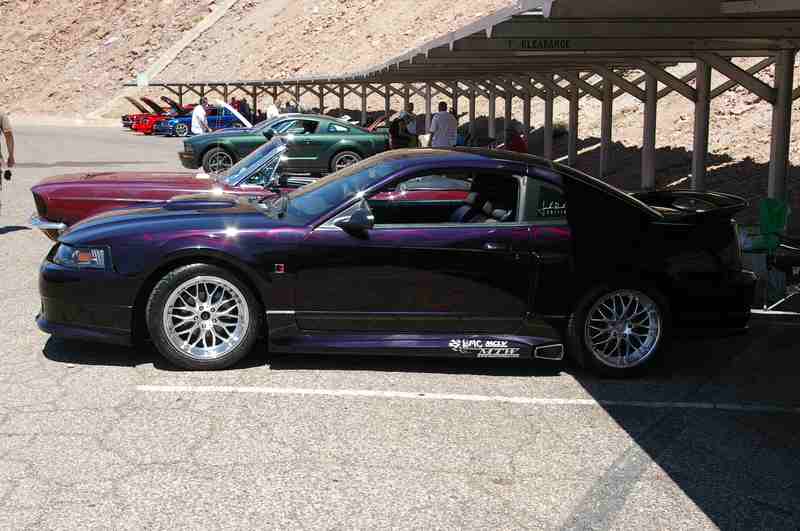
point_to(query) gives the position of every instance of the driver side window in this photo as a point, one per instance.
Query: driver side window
(449, 197)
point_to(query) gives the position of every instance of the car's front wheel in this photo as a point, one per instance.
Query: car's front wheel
(181, 130)
(203, 317)
(618, 331)
(344, 159)
(217, 160)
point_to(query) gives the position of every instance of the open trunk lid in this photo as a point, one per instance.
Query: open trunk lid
(686, 205)
(138, 105)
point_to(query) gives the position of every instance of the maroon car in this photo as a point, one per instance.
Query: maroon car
(64, 200)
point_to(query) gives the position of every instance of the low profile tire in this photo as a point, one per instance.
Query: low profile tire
(203, 317)
(618, 331)
(181, 130)
(216, 160)
(344, 159)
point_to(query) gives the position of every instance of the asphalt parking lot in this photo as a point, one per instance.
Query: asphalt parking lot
(96, 436)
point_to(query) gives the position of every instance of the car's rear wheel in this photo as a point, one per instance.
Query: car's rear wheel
(181, 130)
(344, 159)
(217, 160)
(203, 317)
(618, 331)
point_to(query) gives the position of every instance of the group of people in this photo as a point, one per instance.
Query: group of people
(403, 131)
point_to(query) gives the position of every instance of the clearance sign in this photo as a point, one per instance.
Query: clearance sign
(538, 44)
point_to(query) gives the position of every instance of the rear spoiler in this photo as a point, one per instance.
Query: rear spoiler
(693, 204)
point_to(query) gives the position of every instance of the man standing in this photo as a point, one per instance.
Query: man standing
(444, 128)
(199, 119)
(5, 128)
(411, 125)
(272, 110)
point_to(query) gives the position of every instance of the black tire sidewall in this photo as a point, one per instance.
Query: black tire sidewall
(580, 353)
(157, 303)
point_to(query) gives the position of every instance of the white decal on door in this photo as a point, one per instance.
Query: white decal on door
(484, 349)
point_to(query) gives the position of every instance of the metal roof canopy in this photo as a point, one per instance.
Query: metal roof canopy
(577, 48)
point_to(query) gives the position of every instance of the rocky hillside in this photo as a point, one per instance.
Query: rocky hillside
(68, 56)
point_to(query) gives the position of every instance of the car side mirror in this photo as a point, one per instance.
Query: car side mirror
(268, 133)
(359, 222)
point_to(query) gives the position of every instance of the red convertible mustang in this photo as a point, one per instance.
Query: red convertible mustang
(63, 200)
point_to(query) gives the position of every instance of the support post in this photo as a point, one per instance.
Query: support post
(406, 96)
(428, 104)
(387, 101)
(472, 125)
(254, 95)
(321, 99)
(526, 118)
(548, 122)
(509, 100)
(363, 105)
(454, 88)
(492, 115)
(649, 141)
(702, 114)
(781, 125)
(341, 100)
(606, 119)
(574, 101)
(180, 95)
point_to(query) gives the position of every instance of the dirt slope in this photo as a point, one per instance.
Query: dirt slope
(68, 56)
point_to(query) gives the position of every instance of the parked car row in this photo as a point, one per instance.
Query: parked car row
(175, 119)
(460, 252)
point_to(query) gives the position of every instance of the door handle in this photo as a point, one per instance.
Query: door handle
(495, 246)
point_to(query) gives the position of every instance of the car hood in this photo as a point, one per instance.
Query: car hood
(203, 213)
(180, 180)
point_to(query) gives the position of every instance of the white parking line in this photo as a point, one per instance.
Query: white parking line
(366, 393)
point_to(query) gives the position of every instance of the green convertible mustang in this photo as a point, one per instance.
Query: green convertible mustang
(317, 144)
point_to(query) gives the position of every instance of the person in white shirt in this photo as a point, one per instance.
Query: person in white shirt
(272, 110)
(199, 119)
(444, 128)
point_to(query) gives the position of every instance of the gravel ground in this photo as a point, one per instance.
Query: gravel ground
(96, 436)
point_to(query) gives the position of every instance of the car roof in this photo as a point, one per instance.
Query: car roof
(464, 155)
(318, 117)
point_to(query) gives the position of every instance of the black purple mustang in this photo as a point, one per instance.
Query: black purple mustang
(534, 261)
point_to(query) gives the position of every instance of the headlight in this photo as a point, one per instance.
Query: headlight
(85, 258)
(187, 147)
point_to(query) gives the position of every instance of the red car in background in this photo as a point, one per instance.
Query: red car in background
(146, 123)
(129, 119)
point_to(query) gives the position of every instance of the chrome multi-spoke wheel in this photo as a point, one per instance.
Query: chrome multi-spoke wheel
(181, 130)
(623, 328)
(206, 317)
(344, 159)
(217, 160)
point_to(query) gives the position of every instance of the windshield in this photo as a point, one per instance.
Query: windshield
(311, 201)
(236, 173)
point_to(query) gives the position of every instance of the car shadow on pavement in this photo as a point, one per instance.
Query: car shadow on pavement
(75, 352)
(12, 228)
(728, 439)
